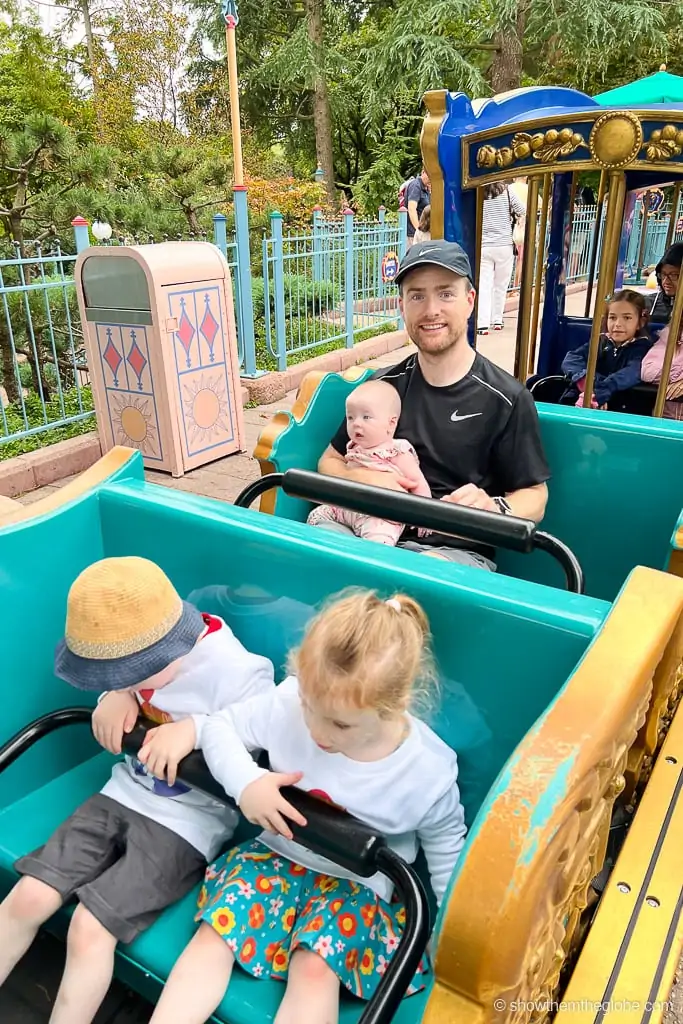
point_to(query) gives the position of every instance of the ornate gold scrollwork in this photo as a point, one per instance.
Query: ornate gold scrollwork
(543, 146)
(666, 696)
(578, 850)
(664, 143)
(516, 913)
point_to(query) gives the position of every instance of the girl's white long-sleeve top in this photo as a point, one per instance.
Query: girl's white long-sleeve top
(411, 796)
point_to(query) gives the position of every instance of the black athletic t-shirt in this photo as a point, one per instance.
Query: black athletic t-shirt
(482, 430)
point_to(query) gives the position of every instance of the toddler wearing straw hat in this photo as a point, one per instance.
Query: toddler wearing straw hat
(144, 841)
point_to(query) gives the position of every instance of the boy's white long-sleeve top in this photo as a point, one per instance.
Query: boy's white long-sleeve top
(411, 796)
(217, 671)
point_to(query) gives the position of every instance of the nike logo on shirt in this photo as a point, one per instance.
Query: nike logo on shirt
(468, 416)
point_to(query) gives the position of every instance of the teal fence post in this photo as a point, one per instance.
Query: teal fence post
(246, 305)
(317, 243)
(402, 233)
(279, 289)
(402, 246)
(220, 233)
(382, 233)
(348, 276)
(81, 233)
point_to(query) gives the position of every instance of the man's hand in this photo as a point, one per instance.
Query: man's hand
(331, 463)
(115, 714)
(166, 746)
(263, 804)
(388, 481)
(473, 497)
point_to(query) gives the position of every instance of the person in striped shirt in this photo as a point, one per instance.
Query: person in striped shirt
(501, 207)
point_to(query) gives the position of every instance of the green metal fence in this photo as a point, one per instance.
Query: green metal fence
(43, 373)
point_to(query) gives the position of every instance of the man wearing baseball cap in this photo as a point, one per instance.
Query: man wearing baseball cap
(474, 427)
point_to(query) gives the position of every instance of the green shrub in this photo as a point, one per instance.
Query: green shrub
(35, 417)
(302, 295)
(266, 361)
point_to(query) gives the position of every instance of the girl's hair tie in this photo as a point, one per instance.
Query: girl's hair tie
(393, 603)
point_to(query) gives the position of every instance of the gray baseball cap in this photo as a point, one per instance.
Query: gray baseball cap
(438, 253)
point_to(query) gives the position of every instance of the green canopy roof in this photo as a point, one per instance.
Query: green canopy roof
(658, 88)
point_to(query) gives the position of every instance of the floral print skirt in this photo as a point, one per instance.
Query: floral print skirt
(266, 906)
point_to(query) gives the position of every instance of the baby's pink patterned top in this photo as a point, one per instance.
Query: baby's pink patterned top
(380, 457)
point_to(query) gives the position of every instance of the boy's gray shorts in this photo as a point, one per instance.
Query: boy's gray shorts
(125, 868)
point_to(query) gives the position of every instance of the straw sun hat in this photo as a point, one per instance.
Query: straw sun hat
(125, 622)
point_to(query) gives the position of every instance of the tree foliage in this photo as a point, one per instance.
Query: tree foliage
(132, 121)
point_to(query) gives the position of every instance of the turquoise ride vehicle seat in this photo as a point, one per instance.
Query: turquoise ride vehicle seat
(614, 494)
(507, 651)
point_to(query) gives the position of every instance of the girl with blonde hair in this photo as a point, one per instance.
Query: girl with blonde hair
(341, 727)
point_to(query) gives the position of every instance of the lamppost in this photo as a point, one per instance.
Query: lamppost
(101, 230)
(239, 196)
(229, 9)
(319, 175)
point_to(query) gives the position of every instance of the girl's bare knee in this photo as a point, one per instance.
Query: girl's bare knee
(309, 968)
(210, 942)
(33, 901)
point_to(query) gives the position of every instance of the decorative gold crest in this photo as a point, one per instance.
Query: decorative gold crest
(615, 139)
(543, 146)
(664, 143)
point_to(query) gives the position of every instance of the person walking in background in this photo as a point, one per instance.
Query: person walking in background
(424, 230)
(520, 188)
(502, 211)
(417, 196)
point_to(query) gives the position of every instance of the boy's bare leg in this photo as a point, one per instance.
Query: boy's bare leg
(312, 994)
(29, 904)
(198, 981)
(88, 971)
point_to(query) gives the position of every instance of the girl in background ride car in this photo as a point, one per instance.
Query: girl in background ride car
(624, 341)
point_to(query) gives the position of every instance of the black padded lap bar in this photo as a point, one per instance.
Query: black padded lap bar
(24, 740)
(441, 516)
(330, 832)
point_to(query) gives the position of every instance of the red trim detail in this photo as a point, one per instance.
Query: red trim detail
(212, 622)
(213, 625)
(239, 188)
(79, 222)
(321, 795)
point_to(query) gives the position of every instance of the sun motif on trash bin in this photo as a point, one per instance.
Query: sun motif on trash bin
(134, 423)
(206, 408)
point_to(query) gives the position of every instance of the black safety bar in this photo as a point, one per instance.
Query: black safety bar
(330, 832)
(24, 740)
(444, 517)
